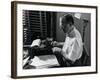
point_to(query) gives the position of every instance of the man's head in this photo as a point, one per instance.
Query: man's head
(66, 23)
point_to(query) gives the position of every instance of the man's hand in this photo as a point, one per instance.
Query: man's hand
(57, 44)
(54, 43)
(56, 49)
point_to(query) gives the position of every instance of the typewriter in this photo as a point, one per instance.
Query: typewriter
(41, 51)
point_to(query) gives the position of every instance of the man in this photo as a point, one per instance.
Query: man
(70, 51)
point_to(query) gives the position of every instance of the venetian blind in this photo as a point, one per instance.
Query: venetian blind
(34, 24)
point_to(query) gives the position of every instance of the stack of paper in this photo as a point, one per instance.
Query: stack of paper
(44, 61)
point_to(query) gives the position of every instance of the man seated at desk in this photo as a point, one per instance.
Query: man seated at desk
(68, 53)
(71, 51)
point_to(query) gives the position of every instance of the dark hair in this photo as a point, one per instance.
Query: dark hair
(67, 19)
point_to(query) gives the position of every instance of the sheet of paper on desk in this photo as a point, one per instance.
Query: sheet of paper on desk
(36, 42)
(45, 61)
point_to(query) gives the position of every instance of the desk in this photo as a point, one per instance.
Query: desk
(43, 61)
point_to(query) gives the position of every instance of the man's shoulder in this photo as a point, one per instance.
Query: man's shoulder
(77, 33)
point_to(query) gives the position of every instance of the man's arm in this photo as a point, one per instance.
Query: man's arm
(73, 51)
(58, 44)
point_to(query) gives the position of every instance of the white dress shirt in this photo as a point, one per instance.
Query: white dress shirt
(73, 47)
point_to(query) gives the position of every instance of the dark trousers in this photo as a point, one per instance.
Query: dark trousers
(66, 62)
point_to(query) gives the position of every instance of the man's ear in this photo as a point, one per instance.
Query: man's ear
(70, 24)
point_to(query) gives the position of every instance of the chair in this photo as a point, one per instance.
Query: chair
(85, 59)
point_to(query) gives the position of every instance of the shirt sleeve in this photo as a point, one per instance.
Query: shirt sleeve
(73, 50)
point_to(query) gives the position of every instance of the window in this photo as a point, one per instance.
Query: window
(38, 24)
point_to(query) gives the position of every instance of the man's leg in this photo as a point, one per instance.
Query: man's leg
(57, 52)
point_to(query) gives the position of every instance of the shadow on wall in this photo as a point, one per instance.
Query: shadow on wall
(79, 25)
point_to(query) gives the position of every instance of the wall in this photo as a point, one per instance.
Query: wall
(5, 41)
